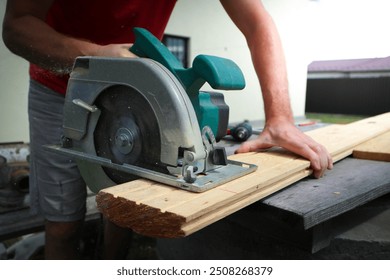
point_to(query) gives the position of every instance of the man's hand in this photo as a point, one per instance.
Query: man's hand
(288, 136)
(114, 50)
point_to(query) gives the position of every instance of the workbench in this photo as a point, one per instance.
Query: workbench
(301, 215)
(304, 217)
(345, 214)
(294, 223)
(157, 210)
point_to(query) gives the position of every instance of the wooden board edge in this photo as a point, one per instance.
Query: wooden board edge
(205, 220)
(141, 219)
(377, 148)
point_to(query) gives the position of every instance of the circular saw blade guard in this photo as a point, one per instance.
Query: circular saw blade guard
(173, 112)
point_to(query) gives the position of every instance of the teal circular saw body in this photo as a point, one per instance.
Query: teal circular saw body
(126, 118)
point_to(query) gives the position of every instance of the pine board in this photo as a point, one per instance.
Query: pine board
(377, 148)
(153, 209)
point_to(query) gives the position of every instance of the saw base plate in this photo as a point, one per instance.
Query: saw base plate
(212, 179)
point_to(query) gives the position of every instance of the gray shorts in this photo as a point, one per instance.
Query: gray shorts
(57, 189)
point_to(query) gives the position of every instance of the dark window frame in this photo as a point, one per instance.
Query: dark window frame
(179, 46)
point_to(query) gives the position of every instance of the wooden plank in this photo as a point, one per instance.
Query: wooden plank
(377, 148)
(173, 213)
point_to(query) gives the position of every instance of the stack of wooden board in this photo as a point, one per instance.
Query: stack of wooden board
(153, 209)
(377, 148)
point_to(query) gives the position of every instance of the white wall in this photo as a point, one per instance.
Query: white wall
(221, 37)
(13, 93)
(212, 32)
(310, 30)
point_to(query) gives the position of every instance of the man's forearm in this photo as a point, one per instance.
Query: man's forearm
(267, 54)
(42, 45)
(270, 67)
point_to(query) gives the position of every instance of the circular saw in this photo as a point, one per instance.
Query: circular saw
(129, 118)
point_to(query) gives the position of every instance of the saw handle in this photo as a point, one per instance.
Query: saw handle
(220, 73)
(146, 45)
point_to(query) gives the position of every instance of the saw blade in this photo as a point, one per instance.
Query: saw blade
(127, 132)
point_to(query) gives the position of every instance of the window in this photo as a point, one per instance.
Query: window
(178, 46)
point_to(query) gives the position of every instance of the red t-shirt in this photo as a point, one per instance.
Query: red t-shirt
(102, 22)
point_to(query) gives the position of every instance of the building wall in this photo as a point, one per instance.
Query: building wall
(306, 30)
(212, 32)
(13, 93)
(351, 96)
